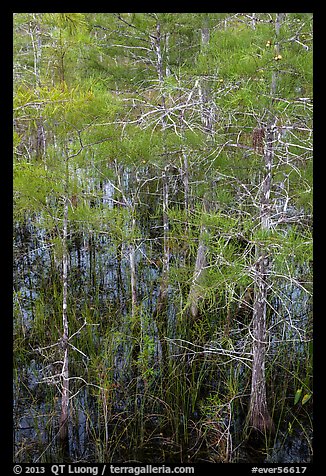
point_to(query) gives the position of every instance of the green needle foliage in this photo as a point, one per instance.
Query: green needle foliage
(141, 155)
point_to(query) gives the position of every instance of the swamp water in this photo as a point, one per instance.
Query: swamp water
(135, 397)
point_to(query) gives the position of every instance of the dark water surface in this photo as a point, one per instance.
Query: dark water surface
(137, 397)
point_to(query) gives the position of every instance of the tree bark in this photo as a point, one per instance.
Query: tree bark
(278, 23)
(159, 67)
(195, 293)
(162, 297)
(259, 415)
(133, 273)
(167, 56)
(35, 34)
(253, 21)
(186, 182)
(63, 431)
(258, 411)
(163, 292)
(204, 88)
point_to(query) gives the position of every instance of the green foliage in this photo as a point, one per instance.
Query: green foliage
(211, 407)
(306, 398)
(70, 21)
(33, 185)
(297, 396)
(96, 124)
(145, 357)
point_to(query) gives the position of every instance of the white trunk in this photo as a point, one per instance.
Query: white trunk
(65, 336)
(278, 23)
(167, 57)
(166, 252)
(161, 301)
(133, 273)
(35, 34)
(204, 88)
(186, 181)
(159, 58)
(258, 411)
(195, 293)
(163, 293)
(37, 48)
(253, 21)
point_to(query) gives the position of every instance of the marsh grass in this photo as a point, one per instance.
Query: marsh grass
(188, 412)
(137, 394)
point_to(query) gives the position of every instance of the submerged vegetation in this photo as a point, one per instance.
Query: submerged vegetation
(163, 237)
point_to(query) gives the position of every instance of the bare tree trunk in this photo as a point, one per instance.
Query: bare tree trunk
(184, 170)
(159, 66)
(35, 34)
(159, 58)
(259, 415)
(63, 433)
(258, 411)
(133, 272)
(195, 293)
(278, 23)
(167, 62)
(162, 297)
(186, 181)
(136, 318)
(120, 288)
(204, 88)
(253, 21)
(186, 190)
